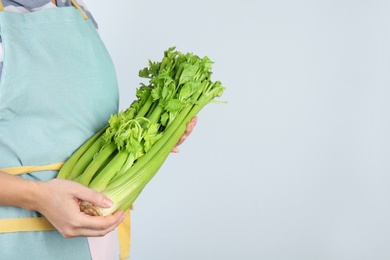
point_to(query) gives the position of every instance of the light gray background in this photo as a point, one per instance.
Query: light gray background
(296, 165)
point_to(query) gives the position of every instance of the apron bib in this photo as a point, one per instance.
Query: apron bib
(58, 87)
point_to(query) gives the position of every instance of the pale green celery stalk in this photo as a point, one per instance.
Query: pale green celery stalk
(155, 115)
(126, 166)
(118, 166)
(84, 160)
(152, 107)
(145, 108)
(67, 170)
(178, 73)
(97, 162)
(104, 176)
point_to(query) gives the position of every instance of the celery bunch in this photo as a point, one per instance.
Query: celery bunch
(123, 157)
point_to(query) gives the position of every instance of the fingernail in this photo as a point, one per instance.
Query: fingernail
(107, 202)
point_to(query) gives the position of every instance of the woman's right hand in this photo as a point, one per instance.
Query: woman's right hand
(59, 200)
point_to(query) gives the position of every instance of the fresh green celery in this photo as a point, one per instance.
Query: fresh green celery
(136, 142)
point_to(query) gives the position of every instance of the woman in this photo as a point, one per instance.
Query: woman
(58, 87)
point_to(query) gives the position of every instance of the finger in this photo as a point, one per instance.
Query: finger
(191, 125)
(97, 225)
(94, 197)
(182, 139)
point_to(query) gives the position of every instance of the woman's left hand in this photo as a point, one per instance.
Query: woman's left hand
(189, 128)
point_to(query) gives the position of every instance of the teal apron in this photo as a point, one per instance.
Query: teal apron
(58, 87)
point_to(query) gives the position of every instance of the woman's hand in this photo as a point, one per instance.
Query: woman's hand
(59, 200)
(189, 128)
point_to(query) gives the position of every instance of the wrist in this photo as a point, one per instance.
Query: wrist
(33, 201)
(19, 192)
(31, 198)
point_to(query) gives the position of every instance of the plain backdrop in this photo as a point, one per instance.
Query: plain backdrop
(297, 164)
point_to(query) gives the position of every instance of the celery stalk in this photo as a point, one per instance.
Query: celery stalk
(67, 170)
(86, 177)
(109, 171)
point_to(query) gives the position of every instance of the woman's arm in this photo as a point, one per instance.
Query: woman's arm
(58, 200)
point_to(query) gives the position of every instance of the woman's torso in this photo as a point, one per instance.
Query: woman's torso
(57, 88)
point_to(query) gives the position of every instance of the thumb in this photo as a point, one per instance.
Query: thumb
(94, 197)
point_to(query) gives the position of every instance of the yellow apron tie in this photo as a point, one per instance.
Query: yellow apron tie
(42, 224)
(26, 169)
(10, 225)
(124, 236)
